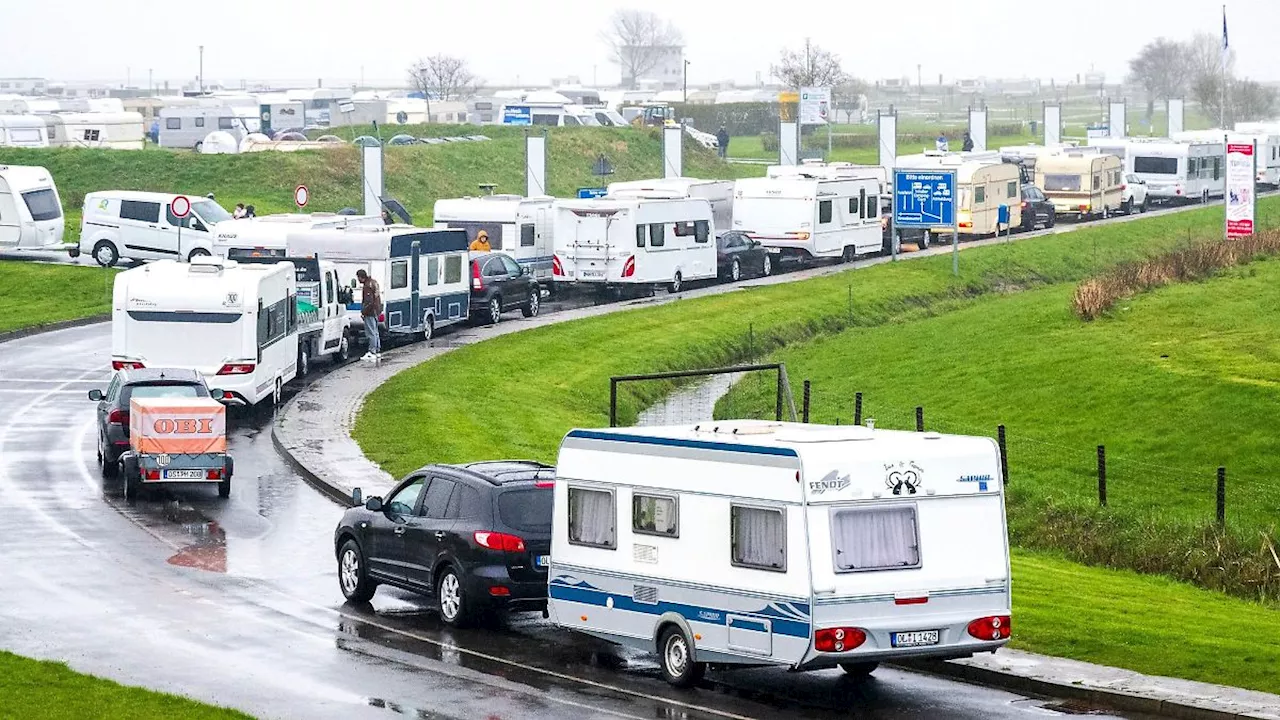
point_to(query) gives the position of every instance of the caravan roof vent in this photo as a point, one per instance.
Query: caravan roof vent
(739, 427)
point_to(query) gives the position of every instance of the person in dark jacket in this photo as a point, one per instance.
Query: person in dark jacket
(722, 139)
(370, 309)
(968, 142)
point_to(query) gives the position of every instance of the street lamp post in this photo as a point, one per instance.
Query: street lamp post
(201, 76)
(685, 93)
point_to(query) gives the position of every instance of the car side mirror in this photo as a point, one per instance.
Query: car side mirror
(373, 504)
(357, 498)
(95, 395)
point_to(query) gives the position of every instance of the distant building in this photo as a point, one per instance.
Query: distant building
(667, 72)
(22, 86)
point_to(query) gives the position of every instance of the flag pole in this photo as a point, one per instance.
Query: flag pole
(1222, 114)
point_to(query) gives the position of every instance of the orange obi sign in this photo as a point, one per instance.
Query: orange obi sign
(177, 426)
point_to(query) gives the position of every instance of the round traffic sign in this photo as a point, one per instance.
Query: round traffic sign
(181, 206)
(301, 195)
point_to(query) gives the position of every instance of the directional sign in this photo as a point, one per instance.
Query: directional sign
(593, 192)
(924, 198)
(301, 195)
(180, 206)
(517, 115)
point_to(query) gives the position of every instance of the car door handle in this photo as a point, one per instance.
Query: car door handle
(439, 535)
(399, 530)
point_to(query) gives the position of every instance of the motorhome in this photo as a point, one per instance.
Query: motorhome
(521, 227)
(1082, 184)
(1267, 146)
(717, 192)
(265, 235)
(1179, 171)
(420, 271)
(756, 543)
(30, 209)
(23, 131)
(634, 241)
(188, 126)
(118, 131)
(237, 325)
(810, 217)
(142, 226)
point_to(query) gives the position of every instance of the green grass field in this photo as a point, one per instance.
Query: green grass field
(38, 293)
(752, 147)
(35, 690)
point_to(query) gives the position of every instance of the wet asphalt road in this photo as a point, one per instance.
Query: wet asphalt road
(234, 602)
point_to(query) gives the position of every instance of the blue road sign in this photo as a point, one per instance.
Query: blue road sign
(924, 198)
(517, 115)
(589, 193)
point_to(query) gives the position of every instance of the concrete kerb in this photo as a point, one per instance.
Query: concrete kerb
(51, 327)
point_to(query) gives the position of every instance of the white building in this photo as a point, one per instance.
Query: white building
(667, 71)
(22, 86)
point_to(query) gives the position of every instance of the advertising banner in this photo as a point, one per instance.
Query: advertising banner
(1240, 189)
(815, 105)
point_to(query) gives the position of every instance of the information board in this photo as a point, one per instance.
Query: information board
(924, 198)
(1241, 176)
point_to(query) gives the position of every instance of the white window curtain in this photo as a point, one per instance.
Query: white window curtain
(759, 537)
(591, 517)
(882, 538)
(653, 514)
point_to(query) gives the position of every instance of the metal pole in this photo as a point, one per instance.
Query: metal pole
(919, 418)
(1222, 496)
(857, 409)
(1004, 454)
(955, 251)
(613, 402)
(201, 69)
(805, 412)
(1102, 475)
(778, 406)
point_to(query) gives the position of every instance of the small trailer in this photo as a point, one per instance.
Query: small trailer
(176, 440)
(805, 546)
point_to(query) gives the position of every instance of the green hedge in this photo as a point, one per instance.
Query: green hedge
(738, 118)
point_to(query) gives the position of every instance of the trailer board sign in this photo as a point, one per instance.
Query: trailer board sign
(924, 198)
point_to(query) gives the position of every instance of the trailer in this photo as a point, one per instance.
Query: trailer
(1266, 142)
(116, 130)
(1082, 184)
(717, 192)
(809, 217)
(1189, 171)
(23, 131)
(30, 209)
(176, 440)
(266, 235)
(518, 226)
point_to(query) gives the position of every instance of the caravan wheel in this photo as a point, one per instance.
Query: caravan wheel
(344, 347)
(677, 283)
(678, 665)
(277, 394)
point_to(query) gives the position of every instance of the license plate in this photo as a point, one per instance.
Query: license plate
(914, 639)
(592, 273)
(183, 474)
(541, 560)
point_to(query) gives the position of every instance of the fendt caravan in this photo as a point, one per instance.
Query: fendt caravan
(744, 542)
(1082, 184)
(521, 227)
(30, 209)
(810, 217)
(717, 192)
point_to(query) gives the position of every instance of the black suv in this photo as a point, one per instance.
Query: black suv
(113, 405)
(499, 283)
(476, 536)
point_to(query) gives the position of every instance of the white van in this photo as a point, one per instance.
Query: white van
(237, 325)
(759, 543)
(119, 131)
(1188, 171)
(265, 235)
(518, 226)
(810, 217)
(717, 192)
(142, 226)
(634, 241)
(30, 209)
(26, 131)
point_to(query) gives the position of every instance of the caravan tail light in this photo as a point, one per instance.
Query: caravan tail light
(1084, 208)
(117, 417)
(236, 369)
(1124, 186)
(556, 268)
(838, 639)
(499, 541)
(997, 627)
(799, 235)
(151, 474)
(476, 283)
(213, 474)
(966, 224)
(126, 365)
(629, 268)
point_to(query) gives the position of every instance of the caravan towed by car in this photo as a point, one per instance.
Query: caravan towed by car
(810, 217)
(30, 209)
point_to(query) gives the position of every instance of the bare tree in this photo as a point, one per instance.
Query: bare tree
(1246, 100)
(1204, 57)
(444, 77)
(1161, 67)
(849, 96)
(638, 40)
(811, 66)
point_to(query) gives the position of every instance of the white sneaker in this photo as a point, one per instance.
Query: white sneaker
(367, 356)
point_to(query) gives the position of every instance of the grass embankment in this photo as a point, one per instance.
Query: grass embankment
(416, 175)
(539, 383)
(38, 294)
(35, 690)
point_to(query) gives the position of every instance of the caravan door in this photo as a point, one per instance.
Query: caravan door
(415, 298)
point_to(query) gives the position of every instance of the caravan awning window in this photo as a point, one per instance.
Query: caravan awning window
(592, 518)
(759, 537)
(886, 538)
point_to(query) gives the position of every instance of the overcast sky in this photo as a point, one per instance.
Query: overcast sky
(528, 42)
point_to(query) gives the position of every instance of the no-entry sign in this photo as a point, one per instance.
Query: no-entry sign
(181, 206)
(301, 195)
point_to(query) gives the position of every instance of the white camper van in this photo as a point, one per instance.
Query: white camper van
(30, 209)
(717, 192)
(1179, 171)
(188, 126)
(237, 325)
(760, 543)
(421, 272)
(810, 217)
(634, 241)
(265, 235)
(1266, 145)
(518, 226)
(142, 226)
(119, 131)
(26, 131)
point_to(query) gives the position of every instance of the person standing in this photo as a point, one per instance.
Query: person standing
(722, 140)
(370, 309)
(968, 142)
(481, 243)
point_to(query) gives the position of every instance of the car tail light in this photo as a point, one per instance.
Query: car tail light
(997, 627)
(117, 417)
(126, 365)
(476, 283)
(213, 474)
(151, 474)
(556, 268)
(228, 395)
(1124, 186)
(236, 369)
(499, 541)
(838, 639)
(629, 267)
(1025, 204)
(382, 317)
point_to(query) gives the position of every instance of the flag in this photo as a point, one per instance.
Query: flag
(1225, 45)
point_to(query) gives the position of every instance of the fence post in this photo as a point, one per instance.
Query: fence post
(613, 402)
(857, 409)
(1222, 497)
(919, 418)
(778, 401)
(805, 413)
(1102, 475)
(1004, 454)
(751, 341)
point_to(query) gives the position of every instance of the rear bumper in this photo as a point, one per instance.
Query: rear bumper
(518, 595)
(950, 652)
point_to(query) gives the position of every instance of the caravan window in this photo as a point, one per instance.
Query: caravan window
(1217, 168)
(199, 122)
(173, 123)
(758, 538)
(225, 123)
(1062, 183)
(42, 204)
(657, 235)
(873, 208)
(1013, 188)
(824, 211)
(453, 269)
(683, 229)
(399, 274)
(853, 206)
(1155, 165)
(147, 212)
(640, 233)
(433, 271)
(1097, 182)
(701, 231)
(526, 236)
(980, 194)
(654, 515)
(884, 538)
(591, 518)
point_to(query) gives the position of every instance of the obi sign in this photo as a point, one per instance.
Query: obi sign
(1241, 176)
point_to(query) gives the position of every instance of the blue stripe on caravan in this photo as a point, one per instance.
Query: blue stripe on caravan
(696, 613)
(673, 442)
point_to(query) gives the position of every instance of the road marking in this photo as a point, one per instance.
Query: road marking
(55, 381)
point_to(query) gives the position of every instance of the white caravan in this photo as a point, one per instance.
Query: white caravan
(24, 131)
(1179, 171)
(521, 227)
(717, 192)
(810, 217)
(237, 325)
(634, 241)
(421, 272)
(758, 543)
(30, 209)
(323, 327)
(1266, 146)
(266, 235)
(142, 226)
(188, 126)
(119, 131)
